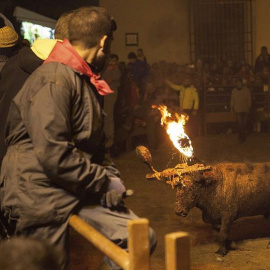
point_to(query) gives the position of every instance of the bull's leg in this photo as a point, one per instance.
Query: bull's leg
(223, 236)
(216, 227)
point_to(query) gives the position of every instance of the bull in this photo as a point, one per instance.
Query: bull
(224, 194)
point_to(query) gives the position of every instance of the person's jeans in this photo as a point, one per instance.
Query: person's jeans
(242, 125)
(113, 225)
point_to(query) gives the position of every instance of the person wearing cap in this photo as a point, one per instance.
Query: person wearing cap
(188, 101)
(9, 41)
(56, 142)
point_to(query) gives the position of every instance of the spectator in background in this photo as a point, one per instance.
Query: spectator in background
(189, 103)
(263, 60)
(267, 109)
(139, 71)
(141, 56)
(26, 42)
(229, 68)
(240, 104)
(9, 42)
(246, 73)
(112, 76)
(21, 253)
(19, 67)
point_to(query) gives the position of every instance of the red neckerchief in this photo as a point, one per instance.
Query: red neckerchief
(64, 53)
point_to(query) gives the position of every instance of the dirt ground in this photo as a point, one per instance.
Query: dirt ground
(155, 200)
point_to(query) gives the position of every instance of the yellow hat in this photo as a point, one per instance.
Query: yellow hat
(8, 37)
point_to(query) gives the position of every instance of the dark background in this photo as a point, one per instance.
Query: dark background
(49, 8)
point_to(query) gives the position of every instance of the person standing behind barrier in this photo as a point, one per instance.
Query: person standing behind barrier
(9, 40)
(139, 71)
(19, 67)
(56, 141)
(189, 103)
(240, 104)
(140, 55)
(112, 76)
(263, 60)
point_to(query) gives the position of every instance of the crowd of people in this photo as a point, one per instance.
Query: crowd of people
(142, 84)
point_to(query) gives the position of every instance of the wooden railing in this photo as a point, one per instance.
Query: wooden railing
(138, 258)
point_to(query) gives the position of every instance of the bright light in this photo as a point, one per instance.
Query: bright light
(174, 125)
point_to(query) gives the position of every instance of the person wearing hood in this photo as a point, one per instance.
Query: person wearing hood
(18, 68)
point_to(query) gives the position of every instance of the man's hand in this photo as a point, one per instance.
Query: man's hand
(113, 199)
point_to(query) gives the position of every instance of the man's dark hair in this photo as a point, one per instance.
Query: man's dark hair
(88, 25)
(239, 79)
(114, 56)
(132, 55)
(61, 26)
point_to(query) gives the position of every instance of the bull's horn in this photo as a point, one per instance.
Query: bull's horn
(145, 156)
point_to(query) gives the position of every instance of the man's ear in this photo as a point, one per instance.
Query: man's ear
(102, 41)
(105, 44)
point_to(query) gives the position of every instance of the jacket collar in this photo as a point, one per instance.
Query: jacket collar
(64, 53)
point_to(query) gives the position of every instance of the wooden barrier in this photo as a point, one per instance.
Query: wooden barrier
(177, 251)
(138, 256)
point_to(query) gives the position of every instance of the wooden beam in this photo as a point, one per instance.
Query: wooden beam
(177, 251)
(138, 244)
(108, 248)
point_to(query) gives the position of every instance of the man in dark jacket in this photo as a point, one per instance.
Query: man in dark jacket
(18, 68)
(56, 163)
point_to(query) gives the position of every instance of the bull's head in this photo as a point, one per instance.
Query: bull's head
(187, 178)
(187, 195)
(190, 190)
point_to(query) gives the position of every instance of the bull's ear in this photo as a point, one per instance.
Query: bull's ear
(197, 176)
(208, 181)
(211, 176)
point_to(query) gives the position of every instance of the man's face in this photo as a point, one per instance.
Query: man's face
(239, 85)
(187, 82)
(132, 60)
(112, 62)
(102, 55)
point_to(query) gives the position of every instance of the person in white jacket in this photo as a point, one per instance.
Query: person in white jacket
(240, 104)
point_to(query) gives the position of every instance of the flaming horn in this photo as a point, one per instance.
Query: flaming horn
(171, 176)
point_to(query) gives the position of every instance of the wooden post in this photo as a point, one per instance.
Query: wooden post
(108, 248)
(177, 251)
(138, 244)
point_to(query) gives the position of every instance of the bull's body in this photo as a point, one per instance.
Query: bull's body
(228, 192)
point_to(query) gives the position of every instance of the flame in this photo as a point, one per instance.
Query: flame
(174, 125)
